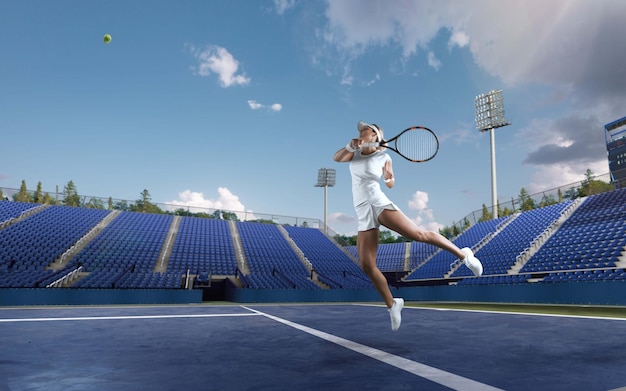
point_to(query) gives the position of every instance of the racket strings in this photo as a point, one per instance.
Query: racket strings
(417, 144)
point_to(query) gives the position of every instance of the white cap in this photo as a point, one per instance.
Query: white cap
(362, 125)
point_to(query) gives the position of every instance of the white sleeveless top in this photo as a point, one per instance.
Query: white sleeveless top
(366, 171)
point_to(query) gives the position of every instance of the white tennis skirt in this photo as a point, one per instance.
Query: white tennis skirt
(368, 213)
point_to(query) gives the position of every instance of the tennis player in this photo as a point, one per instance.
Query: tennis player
(373, 209)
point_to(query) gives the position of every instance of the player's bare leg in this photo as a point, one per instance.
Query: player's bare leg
(367, 246)
(400, 223)
(397, 221)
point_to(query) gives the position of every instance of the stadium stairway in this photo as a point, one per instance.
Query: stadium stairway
(22, 210)
(166, 251)
(621, 261)
(295, 248)
(67, 256)
(242, 262)
(482, 243)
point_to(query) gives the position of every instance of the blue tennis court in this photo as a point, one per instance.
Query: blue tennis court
(305, 347)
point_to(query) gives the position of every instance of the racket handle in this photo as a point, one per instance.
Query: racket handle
(370, 145)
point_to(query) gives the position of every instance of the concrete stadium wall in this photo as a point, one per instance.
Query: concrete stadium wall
(577, 293)
(581, 293)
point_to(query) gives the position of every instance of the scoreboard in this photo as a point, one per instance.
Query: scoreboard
(615, 133)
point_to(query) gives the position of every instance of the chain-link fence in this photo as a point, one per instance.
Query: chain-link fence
(149, 207)
(590, 185)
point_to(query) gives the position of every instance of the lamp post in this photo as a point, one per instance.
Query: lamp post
(326, 178)
(489, 116)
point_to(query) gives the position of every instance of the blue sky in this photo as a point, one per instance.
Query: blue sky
(237, 104)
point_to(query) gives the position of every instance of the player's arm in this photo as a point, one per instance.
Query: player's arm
(388, 176)
(346, 153)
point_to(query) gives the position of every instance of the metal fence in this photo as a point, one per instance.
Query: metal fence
(514, 204)
(511, 206)
(127, 205)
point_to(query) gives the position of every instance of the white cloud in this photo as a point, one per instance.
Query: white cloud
(459, 39)
(217, 60)
(374, 80)
(462, 134)
(425, 218)
(346, 79)
(283, 5)
(558, 175)
(275, 107)
(341, 218)
(518, 41)
(531, 43)
(226, 200)
(433, 61)
(419, 201)
(402, 23)
(342, 222)
(254, 105)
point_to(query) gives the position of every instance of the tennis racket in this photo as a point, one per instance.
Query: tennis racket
(417, 144)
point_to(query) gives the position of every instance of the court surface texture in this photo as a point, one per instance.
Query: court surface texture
(305, 347)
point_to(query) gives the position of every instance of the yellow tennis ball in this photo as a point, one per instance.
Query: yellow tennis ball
(107, 38)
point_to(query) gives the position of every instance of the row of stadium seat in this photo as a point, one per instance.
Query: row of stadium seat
(127, 251)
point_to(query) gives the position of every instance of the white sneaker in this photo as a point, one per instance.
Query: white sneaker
(395, 313)
(472, 262)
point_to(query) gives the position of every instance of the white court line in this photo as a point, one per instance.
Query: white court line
(502, 312)
(439, 376)
(15, 320)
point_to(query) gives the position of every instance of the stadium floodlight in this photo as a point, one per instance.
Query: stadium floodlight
(489, 116)
(326, 178)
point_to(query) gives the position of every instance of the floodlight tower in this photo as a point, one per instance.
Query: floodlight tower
(489, 116)
(326, 178)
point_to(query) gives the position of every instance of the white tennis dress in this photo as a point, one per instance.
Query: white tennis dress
(367, 196)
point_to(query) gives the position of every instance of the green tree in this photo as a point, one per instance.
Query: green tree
(506, 212)
(386, 237)
(47, 199)
(145, 205)
(526, 201)
(95, 203)
(547, 200)
(183, 212)
(446, 231)
(22, 195)
(225, 215)
(122, 205)
(38, 196)
(233, 216)
(70, 195)
(572, 193)
(486, 216)
(591, 186)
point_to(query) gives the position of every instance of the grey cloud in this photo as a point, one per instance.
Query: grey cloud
(586, 136)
